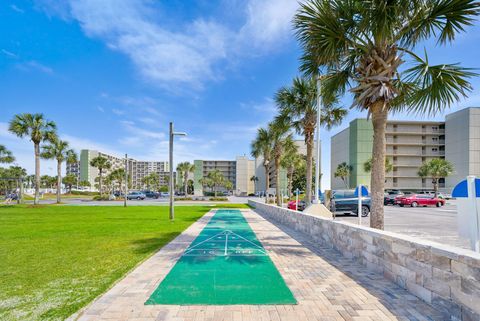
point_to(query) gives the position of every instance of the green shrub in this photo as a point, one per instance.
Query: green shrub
(100, 198)
(218, 199)
(83, 193)
(183, 198)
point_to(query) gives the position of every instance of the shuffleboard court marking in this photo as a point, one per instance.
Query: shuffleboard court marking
(224, 243)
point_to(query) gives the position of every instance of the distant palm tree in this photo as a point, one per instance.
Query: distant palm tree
(6, 156)
(298, 105)
(262, 147)
(367, 166)
(101, 163)
(59, 150)
(38, 129)
(282, 140)
(362, 45)
(217, 179)
(118, 176)
(291, 161)
(185, 169)
(435, 168)
(69, 180)
(254, 179)
(343, 171)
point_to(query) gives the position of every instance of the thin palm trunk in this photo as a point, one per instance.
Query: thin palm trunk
(267, 185)
(290, 182)
(100, 181)
(37, 173)
(59, 180)
(379, 120)
(435, 186)
(309, 143)
(277, 181)
(185, 184)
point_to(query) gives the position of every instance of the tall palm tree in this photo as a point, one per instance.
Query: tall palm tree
(367, 166)
(291, 161)
(59, 150)
(101, 163)
(362, 45)
(254, 179)
(281, 140)
(343, 171)
(262, 147)
(38, 129)
(298, 105)
(118, 176)
(185, 169)
(217, 179)
(435, 169)
(6, 156)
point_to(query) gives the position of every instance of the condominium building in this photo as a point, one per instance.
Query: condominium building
(74, 169)
(408, 145)
(202, 167)
(260, 171)
(137, 170)
(245, 169)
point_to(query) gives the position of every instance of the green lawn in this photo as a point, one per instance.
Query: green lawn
(56, 259)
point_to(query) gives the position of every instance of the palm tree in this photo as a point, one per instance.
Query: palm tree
(281, 140)
(435, 168)
(217, 179)
(298, 105)
(38, 129)
(6, 156)
(101, 163)
(343, 171)
(59, 150)
(291, 161)
(118, 176)
(367, 166)
(185, 169)
(262, 147)
(69, 180)
(362, 45)
(254, 179)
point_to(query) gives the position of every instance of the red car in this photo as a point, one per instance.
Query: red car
(301, 205)
(415, 200)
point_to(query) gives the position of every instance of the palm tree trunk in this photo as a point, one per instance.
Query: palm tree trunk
(290, 183)
(59, 180)
(379, 120)
(37, 174)
(100, 182)
(185, 184)
(309, 143)
(267, 185)
(277, 181)
(435, 186)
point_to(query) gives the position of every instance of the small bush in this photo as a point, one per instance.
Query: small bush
(218, 199)
(100, 198)
(83, 193)
(183, 198)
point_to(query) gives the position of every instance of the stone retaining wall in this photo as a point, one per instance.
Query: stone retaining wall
(444, 276)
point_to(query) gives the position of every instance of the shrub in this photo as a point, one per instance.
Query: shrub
(83, 193)
(218, 199)
(183, 198)
(100, 198)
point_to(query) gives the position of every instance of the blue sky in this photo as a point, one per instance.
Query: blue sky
(113, 73)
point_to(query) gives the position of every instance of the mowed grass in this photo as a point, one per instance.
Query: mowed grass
(56, 259)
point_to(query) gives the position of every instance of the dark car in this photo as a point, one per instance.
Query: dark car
(136, 196)
(151, 194)
(389, 198)
(415, 200)
(292, 205)
(345, 201)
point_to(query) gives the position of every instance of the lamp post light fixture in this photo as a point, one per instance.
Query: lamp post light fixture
(317, 160)
(171, 181)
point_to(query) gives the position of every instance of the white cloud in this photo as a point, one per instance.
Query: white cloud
(118, 112)
(34, 66)
(194, 52)
(9, 54)
(101, 109)
(16, 9)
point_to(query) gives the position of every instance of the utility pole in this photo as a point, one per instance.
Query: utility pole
(170, 160)
(126, 182)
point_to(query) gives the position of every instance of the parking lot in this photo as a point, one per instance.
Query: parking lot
(435, 224)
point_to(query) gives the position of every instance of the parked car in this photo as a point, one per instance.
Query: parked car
(301, 205)
(150, 194)
(164, 194)
(136, 196)
(415, 200)
(345, 201)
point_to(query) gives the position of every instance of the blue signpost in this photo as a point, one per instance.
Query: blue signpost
(360, 191)
(467, 193)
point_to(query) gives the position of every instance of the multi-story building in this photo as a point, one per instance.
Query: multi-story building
(408, 145)
(137, 170)
(245, 169)
(74, 169)
(203, 167)
(260, 171)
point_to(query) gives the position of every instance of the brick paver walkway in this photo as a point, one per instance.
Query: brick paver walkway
(326, 285)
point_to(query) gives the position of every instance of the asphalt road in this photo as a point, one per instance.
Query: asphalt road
(431, 223)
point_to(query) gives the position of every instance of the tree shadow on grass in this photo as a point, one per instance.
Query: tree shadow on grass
(152, 244)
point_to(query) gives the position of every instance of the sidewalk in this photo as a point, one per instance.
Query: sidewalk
(326, 285)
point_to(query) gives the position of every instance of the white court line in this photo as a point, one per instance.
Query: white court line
(190, 248)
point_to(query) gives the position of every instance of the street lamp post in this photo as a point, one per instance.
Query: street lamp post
(172, 183)
(126, 182)
(317, 160)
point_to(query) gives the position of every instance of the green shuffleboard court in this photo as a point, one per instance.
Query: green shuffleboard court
(225, 264)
